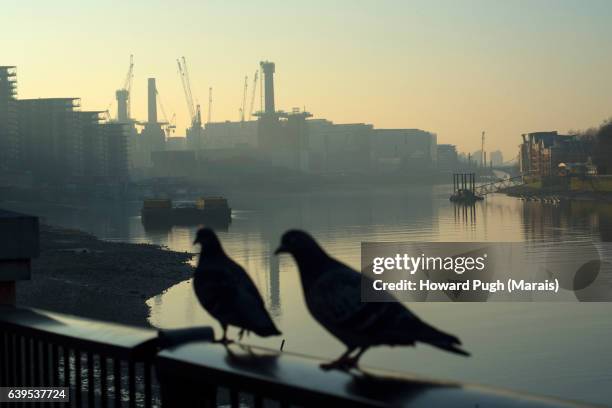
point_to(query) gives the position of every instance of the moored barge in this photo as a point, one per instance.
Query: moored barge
(205, 210)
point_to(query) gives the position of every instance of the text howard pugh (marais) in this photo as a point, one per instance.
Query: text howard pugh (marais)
(510, 285)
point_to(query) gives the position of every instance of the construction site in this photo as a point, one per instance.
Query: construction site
(50, 142)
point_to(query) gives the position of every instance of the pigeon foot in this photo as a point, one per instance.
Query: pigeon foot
(242, 332)
(343, 364)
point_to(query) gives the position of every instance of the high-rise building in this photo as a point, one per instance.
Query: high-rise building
(9, 143)
(50, 138)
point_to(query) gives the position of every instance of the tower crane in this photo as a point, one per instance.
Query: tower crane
(127, 85)
(253, 92)
(244, 94)
(125, 92)
(194, 109)
(170, 125)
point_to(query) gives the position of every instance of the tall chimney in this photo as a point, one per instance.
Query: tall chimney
(122, 110)
(268, 70)
(152, 101)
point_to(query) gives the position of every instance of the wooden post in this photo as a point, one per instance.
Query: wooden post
(18, 245)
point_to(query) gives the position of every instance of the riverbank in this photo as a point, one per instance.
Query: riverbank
(553, 194)
(77, 273)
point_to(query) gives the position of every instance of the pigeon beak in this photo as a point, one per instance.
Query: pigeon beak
(281, 249)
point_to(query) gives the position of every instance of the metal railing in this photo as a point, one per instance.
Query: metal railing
(110, 365)
(497, 185)
(103, 364)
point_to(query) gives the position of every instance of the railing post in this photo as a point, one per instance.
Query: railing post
(18, 245)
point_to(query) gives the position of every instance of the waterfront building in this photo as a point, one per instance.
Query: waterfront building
(541, 152)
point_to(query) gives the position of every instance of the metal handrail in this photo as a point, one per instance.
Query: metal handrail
(99, 362)
(106, 364)
(209, 374)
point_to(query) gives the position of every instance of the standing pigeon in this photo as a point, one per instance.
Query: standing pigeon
(332, 292)
(226, 291)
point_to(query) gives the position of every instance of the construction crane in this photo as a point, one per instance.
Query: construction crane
(127, 85)
(194, 109)
(126, 90)
(170, 125)
(244, 94)
(253, 92)
(123, 95)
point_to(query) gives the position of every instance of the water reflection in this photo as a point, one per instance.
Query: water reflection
(341, 221)
(549, 337)
(465, 213)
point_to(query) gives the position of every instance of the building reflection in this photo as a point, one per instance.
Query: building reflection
(581, 264)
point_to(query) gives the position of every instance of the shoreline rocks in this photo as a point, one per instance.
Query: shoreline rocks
(82, 275)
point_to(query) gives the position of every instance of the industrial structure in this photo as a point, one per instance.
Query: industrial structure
(273, 138)
(281, 136)
(54, 141)
(152, 138)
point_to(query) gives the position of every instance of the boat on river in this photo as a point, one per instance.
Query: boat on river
(211, 211)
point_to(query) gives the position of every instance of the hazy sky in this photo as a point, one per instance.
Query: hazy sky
(453, 67)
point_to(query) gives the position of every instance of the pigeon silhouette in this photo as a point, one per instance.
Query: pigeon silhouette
(226, 291)
(332, 292)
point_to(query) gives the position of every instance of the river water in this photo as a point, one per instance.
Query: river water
(556, 349)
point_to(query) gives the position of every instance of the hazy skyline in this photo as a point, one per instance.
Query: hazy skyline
(451, 67)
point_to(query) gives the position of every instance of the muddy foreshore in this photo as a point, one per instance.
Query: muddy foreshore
(76, 273)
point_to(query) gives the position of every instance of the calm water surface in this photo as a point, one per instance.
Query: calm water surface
(558, 349)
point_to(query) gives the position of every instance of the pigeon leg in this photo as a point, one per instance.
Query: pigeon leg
(224, 339)
(340, 363)
(351, 362)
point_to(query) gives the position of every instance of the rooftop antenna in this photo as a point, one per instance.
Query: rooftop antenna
(209, 103)
(482, 151)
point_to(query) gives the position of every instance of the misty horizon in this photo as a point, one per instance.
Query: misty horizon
(538, 68)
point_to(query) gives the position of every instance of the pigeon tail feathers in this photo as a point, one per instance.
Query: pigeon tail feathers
(451, 348)
(441, 340)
